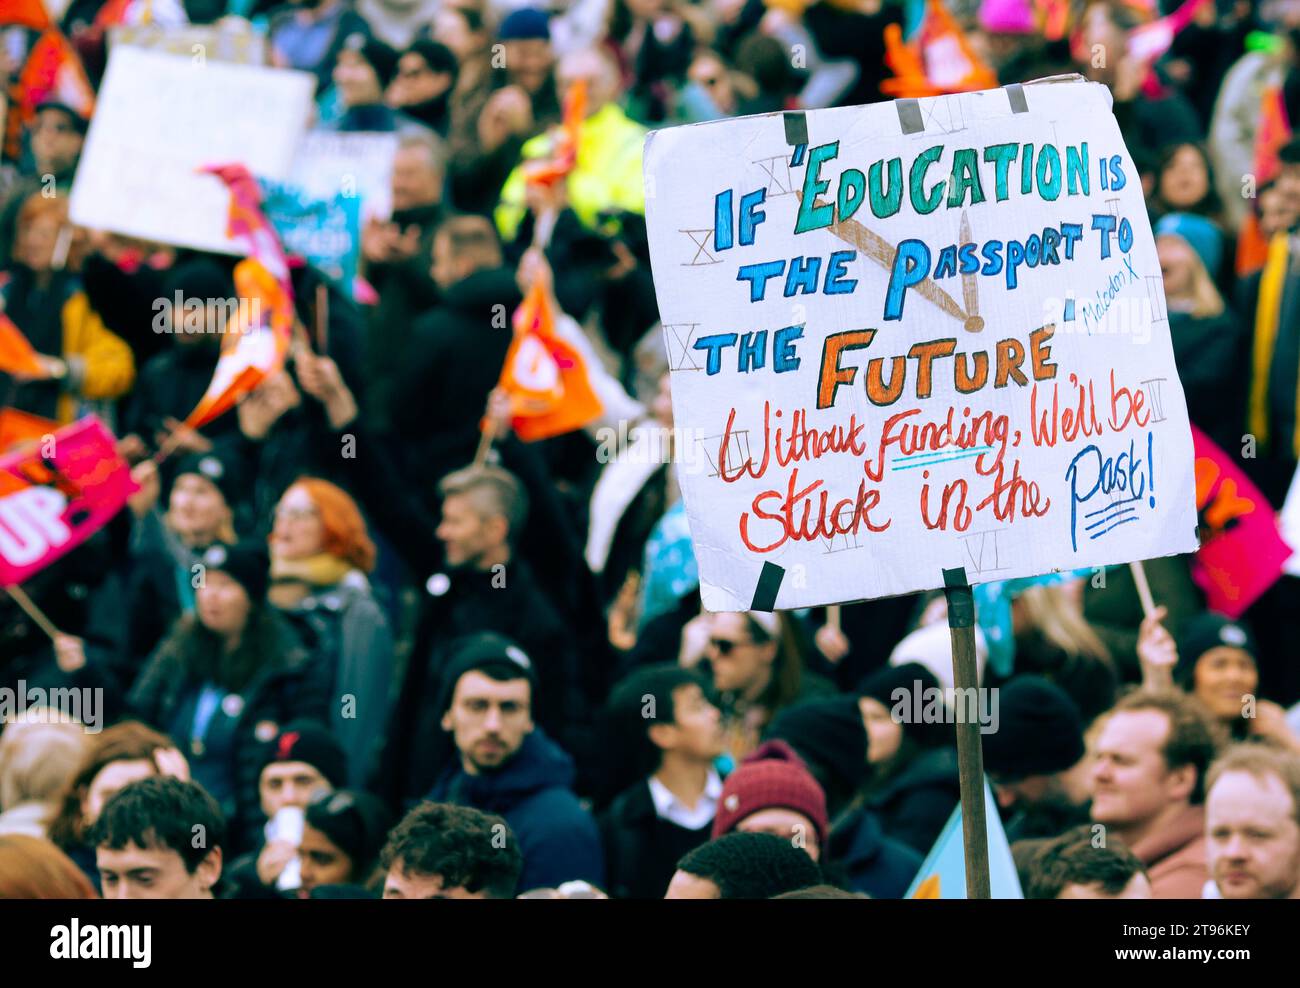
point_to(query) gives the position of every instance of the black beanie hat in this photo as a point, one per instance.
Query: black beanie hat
(1040, 730)
(245, 562)
(224, 470)
(883, 683)
(1202, 633)
(828, 733)
(492, 654)
(309, 742)
(356, 822)
(380, 57)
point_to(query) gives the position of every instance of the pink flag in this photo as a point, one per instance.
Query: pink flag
(1241, 552)
(55, 496)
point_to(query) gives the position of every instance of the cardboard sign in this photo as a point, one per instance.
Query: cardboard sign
(229, 41)
(330, 164)
(913, 337)
(162, 117)
(56, 494)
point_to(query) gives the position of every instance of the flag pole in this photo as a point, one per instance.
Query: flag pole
(28, 605)
(485, 441)
(970, 750)
(1143, 588)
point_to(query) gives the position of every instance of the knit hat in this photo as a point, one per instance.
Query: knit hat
(217, 466)
(1040, 730)
(1204, 632)
(770, 778)
(489, 653)
(247, 563)
(826, 733)
(1199, 233)
(356, 822)
(309, 742)
(525, 24)
(917, 681)
(380, 57)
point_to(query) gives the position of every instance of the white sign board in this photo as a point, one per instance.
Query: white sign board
(159, 118)
(913, 337)
(328, 164)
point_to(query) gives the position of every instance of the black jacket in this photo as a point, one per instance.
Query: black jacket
(290, 686)
(641, 848)
(914, 805)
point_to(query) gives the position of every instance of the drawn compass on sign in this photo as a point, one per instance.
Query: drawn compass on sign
(880, 250)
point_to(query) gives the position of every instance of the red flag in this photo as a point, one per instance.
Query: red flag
(545, 377)
(564, 152)
(1241, 552)
(28, 13)
(256, 346)
(16, 353)
(54, 72)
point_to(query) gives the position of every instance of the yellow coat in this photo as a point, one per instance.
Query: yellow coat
(101, 366)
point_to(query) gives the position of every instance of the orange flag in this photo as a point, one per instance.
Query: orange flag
(564, 152)
(545, 377)
(53, 71)
(938, 60)
(28, 13)
(16, 354)
(18, 427)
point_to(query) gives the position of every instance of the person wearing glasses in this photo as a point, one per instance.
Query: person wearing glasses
(320, 555)
(757, 667)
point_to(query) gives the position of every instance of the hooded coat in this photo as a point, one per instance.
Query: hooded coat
(558, 838)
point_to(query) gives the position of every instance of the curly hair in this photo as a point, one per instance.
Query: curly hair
(752, 866)
(1073, 859)
(467, 848)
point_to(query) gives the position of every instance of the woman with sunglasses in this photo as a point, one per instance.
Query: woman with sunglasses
(757, 665)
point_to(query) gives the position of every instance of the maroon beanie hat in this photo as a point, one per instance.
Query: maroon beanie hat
(772, 777)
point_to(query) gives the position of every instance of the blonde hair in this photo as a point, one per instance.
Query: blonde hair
(37, 762)
(1060, 621)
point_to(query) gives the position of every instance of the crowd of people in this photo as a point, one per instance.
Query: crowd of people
(337, 651)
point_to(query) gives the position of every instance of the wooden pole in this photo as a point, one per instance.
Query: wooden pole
(323, 319)
(485, 442)
(970, 749)
(833, 616)
(20, 598)
(1143, 588)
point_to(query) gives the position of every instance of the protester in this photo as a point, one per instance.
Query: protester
(320, 555)
(159, 839)
(1075, 866)
(669, 809)
(1252, 821)
(37, 762)
(1152, 754)
(743, 866)
(341, 840)
(226, 677)
(440, 851)
(506, 765)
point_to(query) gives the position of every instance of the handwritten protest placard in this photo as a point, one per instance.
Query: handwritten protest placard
(916, 336)
(326, 232)
(55, 494)
(153, 130)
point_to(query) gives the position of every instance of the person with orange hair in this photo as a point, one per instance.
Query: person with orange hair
(320, 555)
(33, 868)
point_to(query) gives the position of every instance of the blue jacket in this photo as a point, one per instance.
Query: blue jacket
(871, 862)
(557, 837)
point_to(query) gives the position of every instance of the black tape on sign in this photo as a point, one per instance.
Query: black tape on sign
(796, 129)
(1016, 96)
(769, 582)
(961, 601)
(909, 116)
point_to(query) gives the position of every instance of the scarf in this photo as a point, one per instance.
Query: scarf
(1268, 314)
(320, 570)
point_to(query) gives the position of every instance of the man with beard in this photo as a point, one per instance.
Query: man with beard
(1252, 823)
(506, 765)
(1036, 759)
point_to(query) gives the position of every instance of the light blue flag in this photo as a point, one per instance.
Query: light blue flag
(943, 873)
